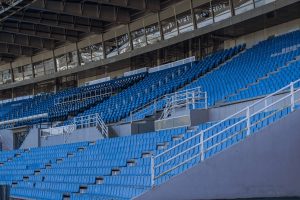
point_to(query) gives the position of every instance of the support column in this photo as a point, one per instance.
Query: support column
(129, 37)
(190, 48)
(231, 7)
(103, 46)
(78, 54)
(54, 60)
(12, 72)
(158, 57)
(193, 15)
(33, 74)
(159, 26)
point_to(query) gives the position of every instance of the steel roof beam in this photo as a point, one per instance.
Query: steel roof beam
(41, 31)
(26, 41)
(69, 22)
(84, 9)
(15, 50)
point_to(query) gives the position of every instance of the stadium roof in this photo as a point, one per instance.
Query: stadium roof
(29, 26)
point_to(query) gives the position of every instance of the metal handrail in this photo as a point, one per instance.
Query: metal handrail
(154, 102)
(291, 96)
(84, 95)
(93, 120)
(184, 98)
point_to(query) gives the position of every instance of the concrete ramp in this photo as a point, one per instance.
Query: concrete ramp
(266, 164)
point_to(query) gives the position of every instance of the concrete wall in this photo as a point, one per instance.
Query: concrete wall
(7, 139)
(221, 112)
(32, 140)
(264, 165)
(88, 134)
(127, 129)
(254, 38)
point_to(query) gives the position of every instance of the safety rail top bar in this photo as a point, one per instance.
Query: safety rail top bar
(237, 113)
(93, 120)
(44, 115)
(132, 113)
(291, 97)
(172, 64)
(184, 98)
(83, 95)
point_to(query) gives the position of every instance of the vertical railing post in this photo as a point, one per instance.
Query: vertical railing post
(193, 100)
(187, 100)
(201, 146)
(152, 171)
(206, 102)
(292, 97)
(248, 120)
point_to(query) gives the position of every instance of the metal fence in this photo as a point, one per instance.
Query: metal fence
(190, 99)
(244, 123)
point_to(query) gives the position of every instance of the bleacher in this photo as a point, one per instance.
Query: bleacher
(118, 168)
(122, 167)
(59, 106)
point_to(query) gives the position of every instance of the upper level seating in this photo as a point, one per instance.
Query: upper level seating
(205, 65)
(156, 85)
(152, 86)
(45, 103)
(248, 67)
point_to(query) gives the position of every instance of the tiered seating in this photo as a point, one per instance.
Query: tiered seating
(248, 67)
(84, 167)
(205, 65)
(214, 143)
(271, 84)
(156, 85)
(45, 103)
(118, 168)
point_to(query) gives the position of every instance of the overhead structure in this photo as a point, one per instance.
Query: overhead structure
(29, 26)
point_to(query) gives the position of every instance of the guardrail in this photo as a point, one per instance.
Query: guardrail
(160, 103)
(93, 120)
(101, 92)
(81, 122)
(172, 64)
(190, 99)
(246, 122)
(12, 121)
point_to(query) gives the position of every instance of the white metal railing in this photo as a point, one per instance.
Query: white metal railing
(172, 64)
(22, 119)
(81, 122)
(239, 125)
(137, 71)
(94, 82)
(101, 92)
(161, 102)
(190, 98)
(93, 120)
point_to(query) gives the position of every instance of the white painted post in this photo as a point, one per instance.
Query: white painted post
(187, 100)
(248, 121)
(152, 172)
(193, 96)
(292, 97)
(206, 101)
(201, 146)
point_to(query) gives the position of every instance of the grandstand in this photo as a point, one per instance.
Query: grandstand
(149, 99)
